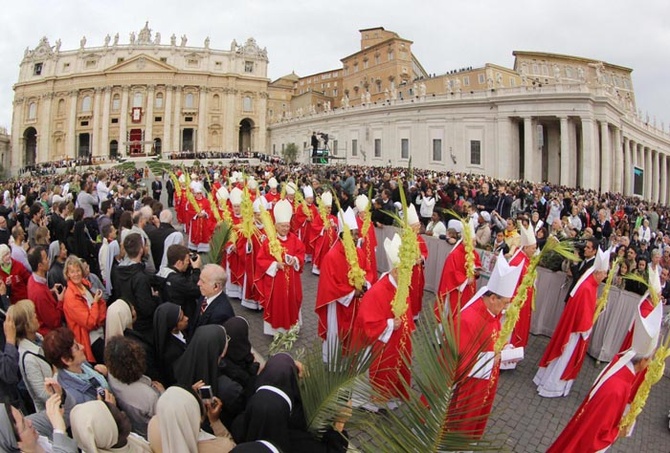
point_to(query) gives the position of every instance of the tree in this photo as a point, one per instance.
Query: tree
(290, 152)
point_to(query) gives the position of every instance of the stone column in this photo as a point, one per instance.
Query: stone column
(605, 158)
(648, 173)
(566, 158)
(167, 120)
(123, 123)
(627, 167)
(590, 179)
(656, 174)
(176, 127)
(663, 199)
(70, 139)
(96, 149)
(44, 149)
(104, 133)
(506, 158)
(149, 120)
(201, 144)
(16, 156)
(617, 182)
(528, 150)
(231, 124)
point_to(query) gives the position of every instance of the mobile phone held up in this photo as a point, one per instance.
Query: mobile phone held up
(206, 392)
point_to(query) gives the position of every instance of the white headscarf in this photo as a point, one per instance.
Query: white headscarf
(95, 430)
(179, 420)
(119, 318)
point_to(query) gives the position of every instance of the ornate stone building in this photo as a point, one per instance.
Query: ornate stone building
(557, 118)
(142, 97)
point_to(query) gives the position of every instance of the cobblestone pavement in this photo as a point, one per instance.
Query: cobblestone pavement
(527, 422)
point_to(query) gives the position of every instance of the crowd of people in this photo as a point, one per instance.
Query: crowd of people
(118, 334)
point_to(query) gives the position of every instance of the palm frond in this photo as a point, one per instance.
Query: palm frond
(125, 166)
(328, 388)
(284, 341)
(217, 243)
(427, 421)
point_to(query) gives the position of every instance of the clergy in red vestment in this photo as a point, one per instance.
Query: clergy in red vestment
(303, 216)
(236, 253)
(418, 276)
(272, 196)
(323, 235)
(279, 281)
(479, 318)
(251, 296)
(201, 220)
(179, 202)
(368, 238)
(566, 350)
(390, 336)
(455, 286)
(337, 299)
(595, 425)
(645, 306)
(522, 257)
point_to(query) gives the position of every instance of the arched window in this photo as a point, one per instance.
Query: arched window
(246, 104)
(32, 111)
(116, 103)
(86, 104)
(189, 100)
(137, 100)
(61, 107)
(216, 102)
(159, 101)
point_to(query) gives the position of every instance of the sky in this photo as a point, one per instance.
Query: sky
(312, 36)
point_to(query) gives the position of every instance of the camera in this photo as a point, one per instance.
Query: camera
(205, 392)
(194, 256)
(101, 392)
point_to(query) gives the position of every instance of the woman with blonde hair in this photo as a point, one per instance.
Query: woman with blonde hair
(85, 311)
(32, 363)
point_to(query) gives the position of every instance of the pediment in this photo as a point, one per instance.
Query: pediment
(141, 63)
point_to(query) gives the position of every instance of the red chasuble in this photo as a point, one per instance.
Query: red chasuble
(369, 249)
(238, 256)
(646, 307)
(454, 274)
(282, 294)
(595, 425)
(522, 327)
(577, 317)
(250, 291)
(473, 399)
(201, 228)
(334, 285)
(322, 239)
(389, 369)
(418, 280)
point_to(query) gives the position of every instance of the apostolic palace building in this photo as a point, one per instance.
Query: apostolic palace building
(556, 118)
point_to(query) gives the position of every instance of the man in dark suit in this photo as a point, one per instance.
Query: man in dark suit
(169, 186)
(503, 202)
(157, 188)
(665, 286)
(577, 270)
(214, 306)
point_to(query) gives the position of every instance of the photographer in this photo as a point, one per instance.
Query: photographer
(181, 278)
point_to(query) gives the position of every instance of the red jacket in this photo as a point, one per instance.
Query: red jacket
(80, 318)
(49, 310)
(18, 290)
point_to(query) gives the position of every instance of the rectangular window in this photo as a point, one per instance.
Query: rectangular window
(91, 63)
(274, 148)
(437, 149)
(37, 69)
(164, 59)
(365, 64)
(115, 121)
(158, 119)
(475, 152)
(466, 81)
(378, 147)
(119, 60)
(335, 92)
(481, 78)
(334, 147)
(84, 123)
(404, 148)
(248, 66)
(188, 119)
(354, 147)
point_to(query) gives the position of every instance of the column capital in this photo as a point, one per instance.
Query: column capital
(107, 89)
(151, 87)
(74, 93)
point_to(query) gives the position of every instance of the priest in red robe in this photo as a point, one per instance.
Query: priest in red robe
(455, 287)
(566, 351)
(418, 276)
(323, 236)
(272, 196)
(303, 216)
(251, 296)
(368, 238)
(337, 300)
(390, 336)
(595, 425)
(522, 257)
(236, 253)
(201, 220)
(279, 281)
(472, 400)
